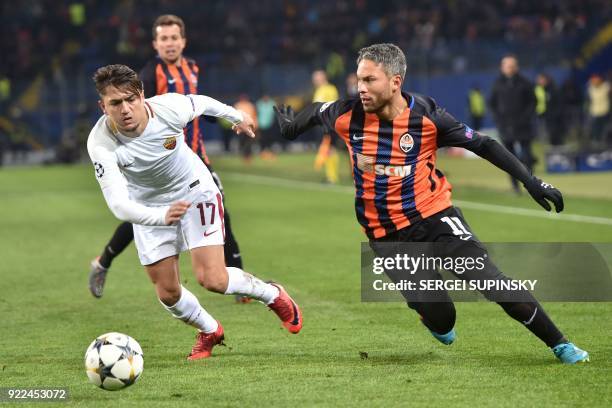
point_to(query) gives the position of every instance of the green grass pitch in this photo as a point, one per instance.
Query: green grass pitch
(305, 236)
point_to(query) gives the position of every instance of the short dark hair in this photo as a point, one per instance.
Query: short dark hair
(119, 76)
(390, 56)
(167, 20)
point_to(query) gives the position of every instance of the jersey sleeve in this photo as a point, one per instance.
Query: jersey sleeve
(118, 200)
(104, 161)
(181, 109)
(114, 187)
(205, 105)
(324, 114)
(327, 113)
(451, 132)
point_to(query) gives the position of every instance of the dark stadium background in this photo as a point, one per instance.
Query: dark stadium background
(50, 49)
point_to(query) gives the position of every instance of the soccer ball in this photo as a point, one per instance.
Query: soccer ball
(113, 361)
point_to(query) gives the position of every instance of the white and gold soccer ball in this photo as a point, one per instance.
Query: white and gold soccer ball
(114, 361)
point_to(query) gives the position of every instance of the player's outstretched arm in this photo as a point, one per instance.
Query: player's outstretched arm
(292, 125)
(188, 107)
(454, 133)
(498, 155)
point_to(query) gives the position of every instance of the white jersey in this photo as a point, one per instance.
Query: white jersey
(141, 176)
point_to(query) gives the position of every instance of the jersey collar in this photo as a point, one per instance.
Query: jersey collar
(149, 110)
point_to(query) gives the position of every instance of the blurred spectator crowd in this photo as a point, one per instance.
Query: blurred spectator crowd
(284, 31)
(67, 39)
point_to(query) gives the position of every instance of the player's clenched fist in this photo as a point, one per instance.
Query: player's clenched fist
(176, 211)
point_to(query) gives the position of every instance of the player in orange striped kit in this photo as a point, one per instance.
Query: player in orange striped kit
(392, 138)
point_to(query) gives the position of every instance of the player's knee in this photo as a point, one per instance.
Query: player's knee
(169, 295)
(213, 285)
(213, 279)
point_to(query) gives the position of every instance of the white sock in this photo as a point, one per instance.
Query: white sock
(240, 282)
(188, 309)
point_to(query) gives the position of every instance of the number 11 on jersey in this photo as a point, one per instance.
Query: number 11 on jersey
(456, 225)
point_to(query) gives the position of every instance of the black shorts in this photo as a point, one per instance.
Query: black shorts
(448, 225)
(444, 235)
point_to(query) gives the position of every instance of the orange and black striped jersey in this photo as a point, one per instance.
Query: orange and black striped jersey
(160, 78)
(394, 162)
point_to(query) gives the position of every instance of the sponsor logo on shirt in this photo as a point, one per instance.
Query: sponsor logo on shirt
(170, 143)
(392, 171)
(367, 164)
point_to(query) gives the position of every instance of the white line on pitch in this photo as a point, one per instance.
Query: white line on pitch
(309, 185)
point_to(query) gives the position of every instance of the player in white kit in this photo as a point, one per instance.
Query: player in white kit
(151, 178)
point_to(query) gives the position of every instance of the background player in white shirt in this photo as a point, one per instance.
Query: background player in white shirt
(151, 178)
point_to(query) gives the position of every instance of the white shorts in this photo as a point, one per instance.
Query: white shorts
(202, 225)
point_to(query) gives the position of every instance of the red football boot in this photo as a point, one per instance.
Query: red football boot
(287, 310)
(205, 343)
